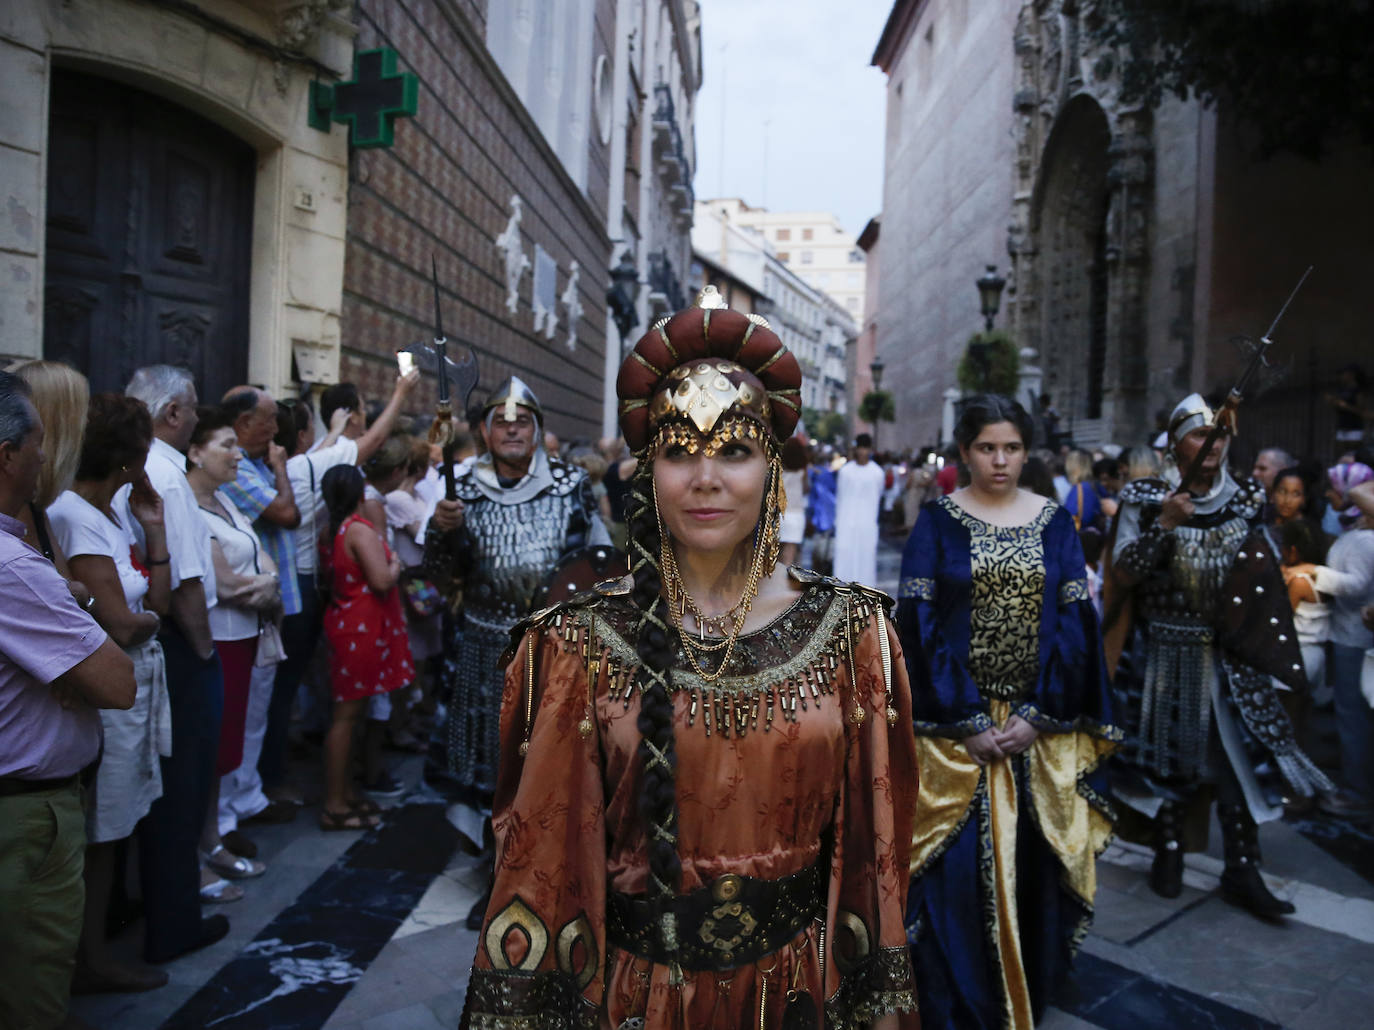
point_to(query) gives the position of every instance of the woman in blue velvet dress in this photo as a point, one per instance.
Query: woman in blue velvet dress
(1013, 720)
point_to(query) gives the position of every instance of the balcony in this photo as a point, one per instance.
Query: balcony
(665, 290)
(670, 155)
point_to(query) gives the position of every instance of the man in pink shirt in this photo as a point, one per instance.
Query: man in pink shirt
(56, 668)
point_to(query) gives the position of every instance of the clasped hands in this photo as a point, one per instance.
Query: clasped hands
(994, 744)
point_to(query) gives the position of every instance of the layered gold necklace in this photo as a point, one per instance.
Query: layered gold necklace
(724, 628)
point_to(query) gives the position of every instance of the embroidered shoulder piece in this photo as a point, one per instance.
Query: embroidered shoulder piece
(921, 588)
(809, 577)
(1073, 590)
(1144, 491)
(1249, 499)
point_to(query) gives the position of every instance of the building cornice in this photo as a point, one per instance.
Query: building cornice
(900, 22)
(869, 237)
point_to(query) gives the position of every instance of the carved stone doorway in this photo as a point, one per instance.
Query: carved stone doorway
(1069, 227)
(149, 221)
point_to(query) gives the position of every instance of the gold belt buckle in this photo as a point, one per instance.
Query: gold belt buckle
(731, 921)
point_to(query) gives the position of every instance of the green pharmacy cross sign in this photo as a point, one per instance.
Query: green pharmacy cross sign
(370, 102)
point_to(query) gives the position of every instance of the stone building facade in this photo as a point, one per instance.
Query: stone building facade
(166, 198)
(811, 323)
(1135, 242)
(172, 194)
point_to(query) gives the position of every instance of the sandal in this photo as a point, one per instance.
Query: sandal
(350, 820)
(365, 806)
(220, 891)
(232, 866)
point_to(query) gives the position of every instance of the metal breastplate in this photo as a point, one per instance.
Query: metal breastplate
(517, 545)
(1197, 571)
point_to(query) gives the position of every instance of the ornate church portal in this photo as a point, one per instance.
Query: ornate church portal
(150, 214)
(1079, 234)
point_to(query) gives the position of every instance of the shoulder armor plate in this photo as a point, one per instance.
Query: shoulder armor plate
(1249, 499)
(1145, 491)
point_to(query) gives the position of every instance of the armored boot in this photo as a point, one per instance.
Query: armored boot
(1241, 883)
(1166, 873)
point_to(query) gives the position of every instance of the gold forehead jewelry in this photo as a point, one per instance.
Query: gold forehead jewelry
(702, 391)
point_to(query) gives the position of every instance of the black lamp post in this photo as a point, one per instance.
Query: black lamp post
(875, 369)
(622, 295)
(990, 286)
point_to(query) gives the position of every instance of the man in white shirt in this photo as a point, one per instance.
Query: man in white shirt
(349, 442)
(858, 494)
(168, 836)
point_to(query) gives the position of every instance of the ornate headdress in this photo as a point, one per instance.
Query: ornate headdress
(511, 394)
(701, 379)
(712, 372)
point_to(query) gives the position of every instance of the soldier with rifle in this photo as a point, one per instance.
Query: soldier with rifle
(1196, 598)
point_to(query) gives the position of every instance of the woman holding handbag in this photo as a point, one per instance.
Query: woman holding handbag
(243, 622)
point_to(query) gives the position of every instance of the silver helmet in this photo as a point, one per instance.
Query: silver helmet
(1193, 412)
(511, 394)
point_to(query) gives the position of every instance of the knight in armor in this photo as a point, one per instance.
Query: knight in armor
(1196, 597)
(519, 510)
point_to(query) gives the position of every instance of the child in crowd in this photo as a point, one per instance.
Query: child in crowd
(367, 633)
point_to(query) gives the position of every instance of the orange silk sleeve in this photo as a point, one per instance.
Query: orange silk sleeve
(867, 965)
(541, 952)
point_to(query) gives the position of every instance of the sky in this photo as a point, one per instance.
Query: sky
(790, 115)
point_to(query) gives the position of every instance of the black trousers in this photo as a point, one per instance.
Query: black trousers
(299, 634)
(169, 835)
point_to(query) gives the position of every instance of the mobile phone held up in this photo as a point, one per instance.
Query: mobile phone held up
(405, 361)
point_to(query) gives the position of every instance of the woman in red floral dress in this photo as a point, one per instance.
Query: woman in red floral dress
(366, 629)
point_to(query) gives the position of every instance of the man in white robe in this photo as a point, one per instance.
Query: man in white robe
(858, 493)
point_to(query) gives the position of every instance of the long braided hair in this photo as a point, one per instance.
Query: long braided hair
(657, 752)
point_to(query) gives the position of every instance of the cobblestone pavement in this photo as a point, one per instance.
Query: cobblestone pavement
(353, 931)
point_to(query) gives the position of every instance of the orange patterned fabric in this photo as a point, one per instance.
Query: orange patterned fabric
(757, 804)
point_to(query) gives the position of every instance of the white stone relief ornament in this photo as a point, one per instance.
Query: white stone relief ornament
(572, 304)
(513, 253)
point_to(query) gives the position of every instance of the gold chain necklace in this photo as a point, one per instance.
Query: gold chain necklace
(677, 591)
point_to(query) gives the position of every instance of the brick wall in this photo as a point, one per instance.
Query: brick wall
(444, 188)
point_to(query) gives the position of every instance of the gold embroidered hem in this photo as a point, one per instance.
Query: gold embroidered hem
(1073, 820)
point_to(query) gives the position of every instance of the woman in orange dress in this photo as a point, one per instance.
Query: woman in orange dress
(704, 808)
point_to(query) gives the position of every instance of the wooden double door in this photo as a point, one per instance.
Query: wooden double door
(149, 230)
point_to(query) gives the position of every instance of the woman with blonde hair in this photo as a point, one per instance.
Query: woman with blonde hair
(61, 394)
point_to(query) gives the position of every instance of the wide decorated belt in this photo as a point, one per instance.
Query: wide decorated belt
(730, 922)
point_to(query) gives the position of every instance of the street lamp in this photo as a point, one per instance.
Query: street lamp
(990, 286)
(875, 369)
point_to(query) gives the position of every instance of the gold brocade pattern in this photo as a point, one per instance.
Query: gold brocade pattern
(954, 788)
(1008, 588)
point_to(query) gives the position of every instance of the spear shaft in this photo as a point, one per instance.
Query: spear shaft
(1237, 392)
(442, 431)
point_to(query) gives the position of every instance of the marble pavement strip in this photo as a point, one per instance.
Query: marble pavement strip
(296, 971)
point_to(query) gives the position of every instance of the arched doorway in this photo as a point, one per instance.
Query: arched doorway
(1069, 227)
(149, 222)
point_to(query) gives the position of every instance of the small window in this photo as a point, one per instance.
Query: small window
(784, 234)
(806, 257)
(807, 234)
(856, 257)
(784, 255)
